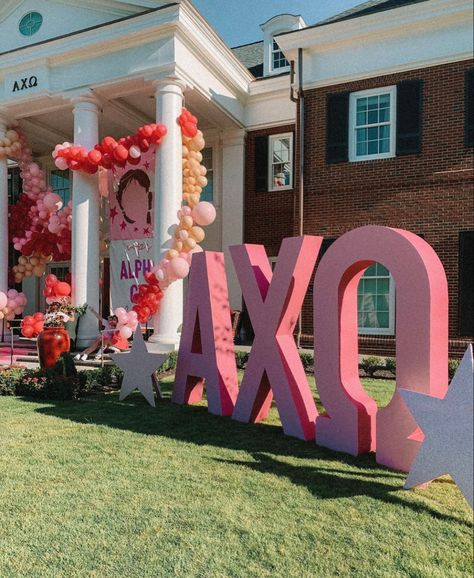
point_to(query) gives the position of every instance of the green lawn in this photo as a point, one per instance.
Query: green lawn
(104, 488)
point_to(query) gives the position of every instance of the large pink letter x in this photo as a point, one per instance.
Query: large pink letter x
(274, 302)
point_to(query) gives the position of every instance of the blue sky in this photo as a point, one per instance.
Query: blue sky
(238, 21)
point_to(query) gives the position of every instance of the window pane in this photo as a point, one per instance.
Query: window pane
(384, 131)
(370, 286)
(382, 303)
(371, 271)
(373, 133)
(384, 100)
(361, 118)
(381, 270)
(383, 319)
(361, 134)
(373, 147)
(361, 149)
(384, 146)
(373, 102)
(373, 117)
(383, 286)
(361, 104)
(207, 193)
(384, 115)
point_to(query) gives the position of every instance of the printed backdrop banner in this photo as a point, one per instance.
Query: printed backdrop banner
(129, 261)
(131, 202)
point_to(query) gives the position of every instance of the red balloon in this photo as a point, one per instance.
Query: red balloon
(95, 157)
(38, 317)
(28, 320)
(50, 280)
(121, 153)
(62, 289)
(38, 327)
(27, 330)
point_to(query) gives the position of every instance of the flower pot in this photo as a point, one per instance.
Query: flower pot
(52, 341)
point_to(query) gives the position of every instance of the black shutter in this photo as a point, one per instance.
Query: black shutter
(409, 113)
(466, 283)
(469, 108)
(261, 164)
(337, 127)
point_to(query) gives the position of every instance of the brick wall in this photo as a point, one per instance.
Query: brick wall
(430, 193)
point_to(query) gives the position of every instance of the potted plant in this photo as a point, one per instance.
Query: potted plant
(54, 339)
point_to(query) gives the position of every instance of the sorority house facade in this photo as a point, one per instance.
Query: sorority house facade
(365, 118)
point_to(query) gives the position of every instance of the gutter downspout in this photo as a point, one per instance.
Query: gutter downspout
(299, 99)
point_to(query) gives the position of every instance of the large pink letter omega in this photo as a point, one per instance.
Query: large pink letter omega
(274, 303)
(207, 345)
(421, 345)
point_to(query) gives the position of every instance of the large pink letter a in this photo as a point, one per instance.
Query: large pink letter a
(206, 352)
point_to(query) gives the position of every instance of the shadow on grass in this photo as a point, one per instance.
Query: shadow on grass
(265, 443)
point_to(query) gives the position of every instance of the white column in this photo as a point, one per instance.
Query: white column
(233, 173)
(85, 222)
(3, 213)
(168, 196)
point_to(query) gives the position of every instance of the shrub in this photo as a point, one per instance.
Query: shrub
(391, 365)
(370, 365)
(241, 358)
(65, 365)
(169, 363)
(32, 384)
(453, 364)
(9, 379)
(108, 376)
(307, 360)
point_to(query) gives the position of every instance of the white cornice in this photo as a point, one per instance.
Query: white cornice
(429, 14)
(269, 85)
(417, 65)
(206, 41)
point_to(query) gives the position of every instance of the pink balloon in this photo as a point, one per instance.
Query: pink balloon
(61, 163)
(120, 312)
(126, 332)
(204, 213)
(179, 267)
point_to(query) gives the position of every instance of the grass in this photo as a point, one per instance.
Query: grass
(102, 488)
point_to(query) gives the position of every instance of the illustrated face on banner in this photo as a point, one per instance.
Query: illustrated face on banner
(131, 201)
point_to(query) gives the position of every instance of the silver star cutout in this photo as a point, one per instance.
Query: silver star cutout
(139, 367)
(448, 428)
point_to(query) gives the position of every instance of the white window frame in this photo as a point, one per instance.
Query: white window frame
(392, 90)
(390, 330)
(271, 139)
(272, 58)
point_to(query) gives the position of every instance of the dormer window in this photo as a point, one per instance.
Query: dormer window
(279, 62)
(274, 60)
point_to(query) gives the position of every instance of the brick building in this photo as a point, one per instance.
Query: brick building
(384, 93)
(386, 98)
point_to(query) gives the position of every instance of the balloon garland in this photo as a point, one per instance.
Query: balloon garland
(39, 225)
(109, 152)
(194, 214)
(12, 303)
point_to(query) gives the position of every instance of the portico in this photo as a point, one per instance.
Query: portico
(109, 79)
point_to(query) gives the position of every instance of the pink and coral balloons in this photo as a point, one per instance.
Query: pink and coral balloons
(179, 267)
(204, 213)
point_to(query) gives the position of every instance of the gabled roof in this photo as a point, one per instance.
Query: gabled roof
(251, 56)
